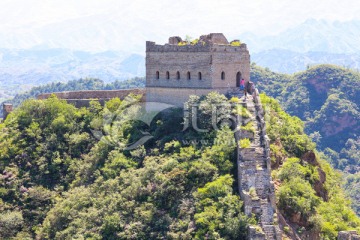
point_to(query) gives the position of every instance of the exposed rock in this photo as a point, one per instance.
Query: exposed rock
(296, 218)
(348, 235)
(310, 158)
(175, 40)
(311, 235)
(217, 38)
(319, 185)
(320, 87)
(277, 158)
(338, 124)
(319, 188)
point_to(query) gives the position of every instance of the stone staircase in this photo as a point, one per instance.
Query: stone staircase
(254, 173)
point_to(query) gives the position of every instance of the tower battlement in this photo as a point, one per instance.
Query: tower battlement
(206, 43)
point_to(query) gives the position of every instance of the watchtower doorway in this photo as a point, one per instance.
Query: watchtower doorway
(238, 79)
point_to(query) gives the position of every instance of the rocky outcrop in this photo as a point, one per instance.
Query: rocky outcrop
(339, 123)
(319, 187)
(348, 235)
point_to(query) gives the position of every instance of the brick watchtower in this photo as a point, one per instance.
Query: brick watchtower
(7, 109)
(178, 69)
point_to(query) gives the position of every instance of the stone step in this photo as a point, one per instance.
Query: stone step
(270, 232)
(249, 154)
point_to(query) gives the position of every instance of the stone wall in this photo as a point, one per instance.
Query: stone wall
(230, 61)
(176, 96)
(83, 98)
(94, 94)
(182, 62)
(153, 47)
(348, 235)
(254, 173)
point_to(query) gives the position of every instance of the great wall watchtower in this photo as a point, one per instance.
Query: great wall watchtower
(7, 109)
(175, 71)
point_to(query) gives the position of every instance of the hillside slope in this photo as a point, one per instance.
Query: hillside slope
(327, 97)
(309, 194)
(58, 180)
(331, 113)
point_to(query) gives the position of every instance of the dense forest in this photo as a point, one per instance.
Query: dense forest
(59, 181)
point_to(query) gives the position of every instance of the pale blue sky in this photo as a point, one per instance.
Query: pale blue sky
(125, 25)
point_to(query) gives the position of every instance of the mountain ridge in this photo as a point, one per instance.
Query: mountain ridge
(22, 69)
(311, 35)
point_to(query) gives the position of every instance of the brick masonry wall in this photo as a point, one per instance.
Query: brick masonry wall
(176, 96)
(230, 62)
(210, 59)
(83, 98)
(97, 94)
(182, 62)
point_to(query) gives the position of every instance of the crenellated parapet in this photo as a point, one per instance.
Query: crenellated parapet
(198, 47)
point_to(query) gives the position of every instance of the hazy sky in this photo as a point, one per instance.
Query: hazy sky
(30, 22)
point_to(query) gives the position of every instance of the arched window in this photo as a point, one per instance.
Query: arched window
(238, 79)
(167, 75)
(157, 75)
(188, 76)
(222, 75)
(199, 76)
(178, 75)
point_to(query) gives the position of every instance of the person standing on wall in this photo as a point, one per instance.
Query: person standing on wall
(242, 86)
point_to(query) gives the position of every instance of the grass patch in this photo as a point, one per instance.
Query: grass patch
(242, 111)
(244, 143)
(248, 127)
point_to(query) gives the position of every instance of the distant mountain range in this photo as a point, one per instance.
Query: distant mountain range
(312, 42)
(310, 36)
(286, 61)
(22, 69)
